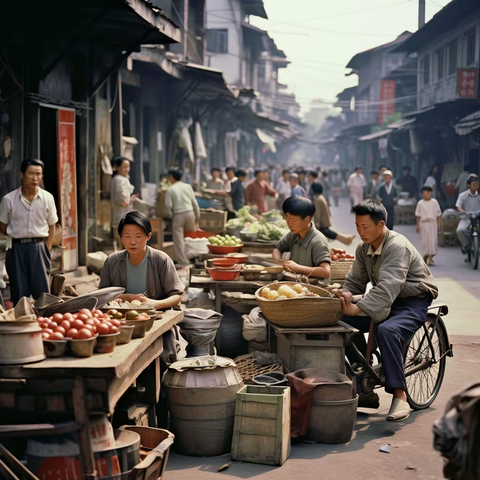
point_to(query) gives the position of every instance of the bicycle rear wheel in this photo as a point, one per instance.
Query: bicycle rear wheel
(423, 385)
(474, 253)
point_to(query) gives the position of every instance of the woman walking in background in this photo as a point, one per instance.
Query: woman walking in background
(429, 217)
(121, 195)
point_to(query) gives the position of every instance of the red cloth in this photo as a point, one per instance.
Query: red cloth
(256, 193)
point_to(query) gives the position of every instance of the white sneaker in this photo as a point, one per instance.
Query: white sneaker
(2, 283)
(399, 410)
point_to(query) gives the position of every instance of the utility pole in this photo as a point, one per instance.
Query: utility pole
(421, 13)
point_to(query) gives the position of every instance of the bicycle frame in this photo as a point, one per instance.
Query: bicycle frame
(367, 378)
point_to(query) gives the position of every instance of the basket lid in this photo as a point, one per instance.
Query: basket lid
(207, 362)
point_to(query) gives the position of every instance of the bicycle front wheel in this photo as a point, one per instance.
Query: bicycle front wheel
(475, 253)
(423, 384)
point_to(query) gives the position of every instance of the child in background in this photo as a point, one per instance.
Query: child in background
(429, 217)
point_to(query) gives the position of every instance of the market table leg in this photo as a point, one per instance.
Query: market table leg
(152, 387)
(218, 297)
(84, 439)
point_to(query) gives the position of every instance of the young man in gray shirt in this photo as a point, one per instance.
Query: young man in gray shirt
(402, 290)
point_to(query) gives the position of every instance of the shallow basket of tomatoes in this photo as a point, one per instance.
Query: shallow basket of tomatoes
(82, 347)
(54, 348)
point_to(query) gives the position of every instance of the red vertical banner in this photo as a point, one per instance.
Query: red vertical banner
(467, 83)
(67, 185)
(387, 100)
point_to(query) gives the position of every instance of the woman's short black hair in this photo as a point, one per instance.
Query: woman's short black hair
(427, 188)
(258, 172)
(313, 173)
(300, 206)
(176, 174)
(374, 172)
(215, 169)
(117, 161)
(373, 208)
(240, 173)
(31, 162)
(317, 188)
(135, 218)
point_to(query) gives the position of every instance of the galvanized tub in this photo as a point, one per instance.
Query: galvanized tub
(201, 396)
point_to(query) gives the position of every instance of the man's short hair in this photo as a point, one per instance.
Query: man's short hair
(382, 166)
(406, 167)
(215, 169)
(301, 171)
(300, 206)
(427, 188)
(472, 178)
(313, 173)
(176, 174)
(230, 169)
(240, 173)
(285, 171)
(258, 172)
(373, 208)
(374, 172)
(317, 188)
(31, 162)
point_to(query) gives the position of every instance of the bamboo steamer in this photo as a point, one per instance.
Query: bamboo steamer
(201, 396)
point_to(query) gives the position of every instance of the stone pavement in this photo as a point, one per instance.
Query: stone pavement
(412, 455)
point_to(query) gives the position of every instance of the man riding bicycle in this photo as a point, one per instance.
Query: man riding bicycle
(402, 290)
(468, 201)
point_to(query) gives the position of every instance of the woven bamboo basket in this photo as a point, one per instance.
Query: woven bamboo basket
(302, 311)
(248, 367)
(339, 269)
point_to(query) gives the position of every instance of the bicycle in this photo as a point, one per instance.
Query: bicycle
(474, 247)
(424, 364)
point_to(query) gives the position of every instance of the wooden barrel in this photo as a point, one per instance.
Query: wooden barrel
(201, 396)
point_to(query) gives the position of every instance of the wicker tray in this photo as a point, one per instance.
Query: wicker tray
(339, 269)
(302, 311)
(249, 368)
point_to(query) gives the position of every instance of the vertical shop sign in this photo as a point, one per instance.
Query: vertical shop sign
(67, 179)
(467, 83)
(387, 100)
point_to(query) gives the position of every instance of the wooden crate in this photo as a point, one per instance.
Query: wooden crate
(405, 215)
(212, 221)
(261, 432)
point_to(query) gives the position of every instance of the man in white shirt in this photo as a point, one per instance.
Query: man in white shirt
(182, 207)
(468, 202)
(356, 184)
(283, 188)
(28, 215)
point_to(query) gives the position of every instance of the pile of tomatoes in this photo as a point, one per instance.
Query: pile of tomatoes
(82, 325)
(338, 254)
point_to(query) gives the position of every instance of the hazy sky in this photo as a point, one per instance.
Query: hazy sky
(319, 37)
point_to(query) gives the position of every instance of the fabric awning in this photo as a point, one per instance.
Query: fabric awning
(468, 124)
(376, 135)
(266, 139)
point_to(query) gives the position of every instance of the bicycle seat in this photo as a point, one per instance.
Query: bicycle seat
(442, 308)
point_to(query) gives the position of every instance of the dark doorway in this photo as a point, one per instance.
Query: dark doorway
(48, 149)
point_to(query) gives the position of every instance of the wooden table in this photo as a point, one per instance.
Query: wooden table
(82, 386)
(199, 281)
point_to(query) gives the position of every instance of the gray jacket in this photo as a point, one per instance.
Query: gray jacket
(162, 278)
(395, 269)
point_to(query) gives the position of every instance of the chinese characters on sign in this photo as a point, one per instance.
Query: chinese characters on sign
(387, 100)
(467, 83)
(67, 187)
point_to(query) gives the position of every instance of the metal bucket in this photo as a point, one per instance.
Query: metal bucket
(21, 343)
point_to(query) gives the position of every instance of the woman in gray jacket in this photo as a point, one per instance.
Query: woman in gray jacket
(147, 274)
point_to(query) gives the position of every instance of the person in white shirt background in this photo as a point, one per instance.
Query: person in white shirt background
(356, 184)
(182, 207)
(467, 202)
(283, 188)
(28, 215)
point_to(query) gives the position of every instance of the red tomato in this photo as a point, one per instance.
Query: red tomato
(43, 324)
(78, 324)
(115, 322)
(56, 336)
(103, 329)
(83, 317)
(89, 321)
(109, 323)
(53, 324)
(84, 333)
(57, 317)
(68, 316)
(60, 330)
(114, 329)
(45, 335)
(65, 324)
(47, 330)
(75, 316)
(96, 315)
(40, 319)
(90, 327)
(72, 333)
(96, 321)
(86, 312)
